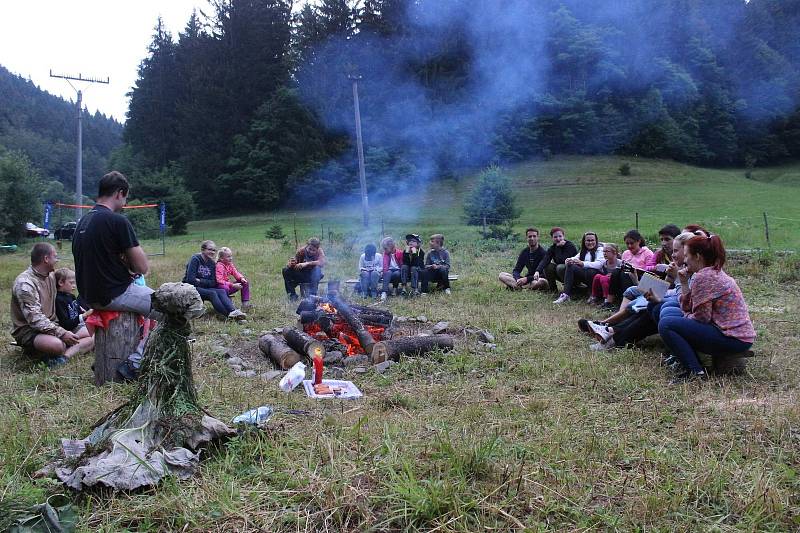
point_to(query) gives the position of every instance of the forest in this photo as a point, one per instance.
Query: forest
(250, 106)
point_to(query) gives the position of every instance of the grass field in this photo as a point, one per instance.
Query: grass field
(539, 434)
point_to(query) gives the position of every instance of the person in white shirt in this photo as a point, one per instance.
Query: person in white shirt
(582, 267)
(370, 265)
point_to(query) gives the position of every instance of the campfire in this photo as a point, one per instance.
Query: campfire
(343, 330)
(339, 331)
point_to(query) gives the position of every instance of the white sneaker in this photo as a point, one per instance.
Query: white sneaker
(237, 314)
(447, 291)
(603, 346)
(563, 297)
(383, 296)
(602, 333)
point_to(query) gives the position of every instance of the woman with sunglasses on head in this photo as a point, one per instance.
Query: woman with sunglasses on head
(717, 320)
(582, 267)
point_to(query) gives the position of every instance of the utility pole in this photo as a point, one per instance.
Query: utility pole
(362, 176)
(79, 117)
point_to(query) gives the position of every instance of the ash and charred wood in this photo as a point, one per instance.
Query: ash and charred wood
(364, 310)
(279, 351)
(364, 337)
(393, 349)
(303, 343)
(375, 320)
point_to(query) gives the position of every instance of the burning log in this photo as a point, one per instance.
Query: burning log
(364, 337)
(364, 310)
(303, 343)
(393, 349)
(279, 351)
(375, 320)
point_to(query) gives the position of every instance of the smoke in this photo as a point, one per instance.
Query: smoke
(436, 93)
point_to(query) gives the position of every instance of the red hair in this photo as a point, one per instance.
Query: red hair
(555, 229)
(709, 248)
(694, 228)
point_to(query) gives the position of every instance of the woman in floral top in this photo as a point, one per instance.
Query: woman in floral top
(716, 317)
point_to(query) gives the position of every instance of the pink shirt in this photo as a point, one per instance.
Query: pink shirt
(639, 260)
(715, 298)
(224, 273)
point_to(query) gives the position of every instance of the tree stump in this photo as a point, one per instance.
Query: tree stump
(113, 345)
(730, 364)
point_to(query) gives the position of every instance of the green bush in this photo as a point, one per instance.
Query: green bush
(492, 201)
(275, 232)
(625, 169)
(145, 221)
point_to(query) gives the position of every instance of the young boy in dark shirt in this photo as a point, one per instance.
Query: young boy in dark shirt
(69, 313)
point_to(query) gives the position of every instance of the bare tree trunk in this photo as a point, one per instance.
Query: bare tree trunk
(276, 349)
(113, 345)
(393, 349)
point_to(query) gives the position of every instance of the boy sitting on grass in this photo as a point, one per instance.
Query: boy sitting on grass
(437, 265)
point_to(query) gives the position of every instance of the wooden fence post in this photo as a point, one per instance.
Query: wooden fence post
(766, 229)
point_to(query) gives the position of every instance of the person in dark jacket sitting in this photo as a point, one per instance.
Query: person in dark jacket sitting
(201, 272)
(528, 258)
(552, 266)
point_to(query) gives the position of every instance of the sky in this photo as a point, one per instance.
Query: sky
(95, 38)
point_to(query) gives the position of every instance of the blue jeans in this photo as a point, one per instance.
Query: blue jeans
(219, 299)
(369, 282)
(685, 337)
(410, 273)
(393, 277)
(293, 277)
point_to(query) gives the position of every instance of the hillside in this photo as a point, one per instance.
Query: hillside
(578, 193)
(43, 126)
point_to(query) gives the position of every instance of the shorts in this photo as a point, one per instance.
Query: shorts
(24, 339)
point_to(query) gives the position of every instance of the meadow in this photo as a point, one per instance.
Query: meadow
(539, 434)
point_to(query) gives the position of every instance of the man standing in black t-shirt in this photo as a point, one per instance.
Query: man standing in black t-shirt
(530, 258)
(107, 254)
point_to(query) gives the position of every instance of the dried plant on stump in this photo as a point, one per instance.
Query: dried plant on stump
(159, 431)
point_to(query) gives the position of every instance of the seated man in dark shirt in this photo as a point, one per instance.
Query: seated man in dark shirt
(107, 254)
(552, 266)
(528, 258)
(304, 269)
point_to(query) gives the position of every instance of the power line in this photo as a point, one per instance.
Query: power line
(79, 118)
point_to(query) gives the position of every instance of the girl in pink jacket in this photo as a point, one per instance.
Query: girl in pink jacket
(227, 270)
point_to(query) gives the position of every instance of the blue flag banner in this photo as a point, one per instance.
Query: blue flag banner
(163, 217)
(48, 209)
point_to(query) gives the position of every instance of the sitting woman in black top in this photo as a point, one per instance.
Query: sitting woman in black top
(201, 272)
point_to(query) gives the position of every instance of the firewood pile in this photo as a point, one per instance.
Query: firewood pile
(341, 332)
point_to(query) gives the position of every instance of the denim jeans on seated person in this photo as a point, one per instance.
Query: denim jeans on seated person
(369, 282)
(686, 336)
(412, 274)
(219, 299)
(391, 277)
(293, 277)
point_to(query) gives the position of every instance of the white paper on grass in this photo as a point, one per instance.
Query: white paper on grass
(349, 390)
(656, 285)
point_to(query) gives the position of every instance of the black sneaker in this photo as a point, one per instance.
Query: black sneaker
(583, 325)
(668, 359)
(128, 371)
(689, 377)
(55, 362)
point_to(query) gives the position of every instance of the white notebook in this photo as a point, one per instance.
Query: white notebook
(649, 282)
